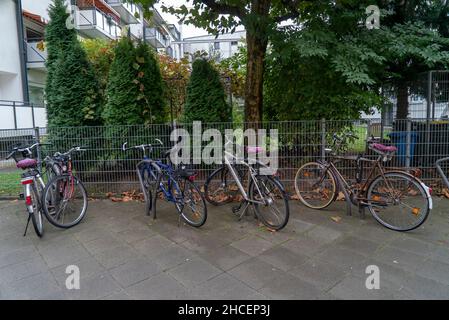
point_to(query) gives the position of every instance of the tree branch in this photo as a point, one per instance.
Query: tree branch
(221, 8)
(292, 5)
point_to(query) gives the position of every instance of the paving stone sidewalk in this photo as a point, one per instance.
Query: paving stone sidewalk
(123, 254)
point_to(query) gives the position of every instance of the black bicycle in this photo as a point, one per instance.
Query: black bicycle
(64, 197)
(177, 185)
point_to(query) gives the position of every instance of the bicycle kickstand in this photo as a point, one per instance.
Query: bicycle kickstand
(243, 207)
(26, 227)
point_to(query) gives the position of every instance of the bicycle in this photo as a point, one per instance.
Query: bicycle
(441, 171)
(64, 197)
(263, 191)
(396, 199)
(33, 185)
(175, 185)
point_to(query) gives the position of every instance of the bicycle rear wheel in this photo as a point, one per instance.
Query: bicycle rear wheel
(191, 203)
(398, 201)
(315, 186)
(65, 201)
(36, 215)
(272, 208)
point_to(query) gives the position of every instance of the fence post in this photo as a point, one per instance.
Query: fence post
(38, 148)
(15, 114)
(323, 139)
(32, 115)
(408, 143)
(369, 130)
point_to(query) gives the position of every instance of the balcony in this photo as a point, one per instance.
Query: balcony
(129, 12)
(94, 23)
(36, 54)
(155, 38)
(97, 19)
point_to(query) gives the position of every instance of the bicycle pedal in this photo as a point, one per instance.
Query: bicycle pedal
(236, 209)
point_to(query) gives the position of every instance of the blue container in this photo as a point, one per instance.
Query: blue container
(399, 139)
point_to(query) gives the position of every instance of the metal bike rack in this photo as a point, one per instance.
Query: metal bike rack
(440, 170)
(149, 201)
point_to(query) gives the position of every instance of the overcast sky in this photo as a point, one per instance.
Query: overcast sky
(187, 30)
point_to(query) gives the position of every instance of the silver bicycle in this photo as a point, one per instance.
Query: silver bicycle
(265, 192)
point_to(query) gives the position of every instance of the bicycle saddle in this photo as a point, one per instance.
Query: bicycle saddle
(26, 163)
(383, 148)
(254, 149)
(185, 172)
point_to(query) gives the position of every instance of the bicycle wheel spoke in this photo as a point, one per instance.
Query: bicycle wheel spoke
(406, 204)
(315, 186)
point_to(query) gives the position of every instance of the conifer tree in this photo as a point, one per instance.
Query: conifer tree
(123, 106)
(206, 100)
(149, 78)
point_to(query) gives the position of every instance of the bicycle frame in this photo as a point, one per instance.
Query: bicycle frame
(27, 182)
(251, 173)
(441, 172)
(343, 185)
(150, 166)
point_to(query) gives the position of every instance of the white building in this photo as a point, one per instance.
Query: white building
(221, 47)
(23, 54)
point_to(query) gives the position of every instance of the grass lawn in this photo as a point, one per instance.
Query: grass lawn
(10, 183)
(361, 131)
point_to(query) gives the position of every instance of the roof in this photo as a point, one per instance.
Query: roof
(35, 17)
(221, 35)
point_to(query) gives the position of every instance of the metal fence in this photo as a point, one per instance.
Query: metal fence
(105, 168)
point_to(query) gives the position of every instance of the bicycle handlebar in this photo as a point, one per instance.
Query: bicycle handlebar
(141, 147)
(24, 149)
(343, 136)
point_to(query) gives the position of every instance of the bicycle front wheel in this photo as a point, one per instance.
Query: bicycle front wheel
(315, 185)
(220, 187)
(398, 201)
(65, 201)
(271, 202)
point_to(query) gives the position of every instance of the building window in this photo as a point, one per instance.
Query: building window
(217, 45)
(36, 95)
(234, 43)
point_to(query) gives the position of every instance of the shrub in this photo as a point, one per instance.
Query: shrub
(123, 107)
(149, 81)
(206, 100)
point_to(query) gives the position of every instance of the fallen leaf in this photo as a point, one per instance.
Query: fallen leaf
(446, 193)
(341, 196)
(295, 197)
(336, 219)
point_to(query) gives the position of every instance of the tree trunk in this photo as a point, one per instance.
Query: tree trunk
(254, 77)
(402, 101)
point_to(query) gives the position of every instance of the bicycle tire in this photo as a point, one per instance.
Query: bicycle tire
(374, 202)
(223, 178)
(304, 195)
(203, 212)
(53, 217)
(257, 207)
(36, 216)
